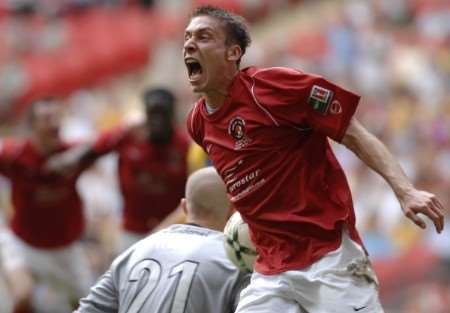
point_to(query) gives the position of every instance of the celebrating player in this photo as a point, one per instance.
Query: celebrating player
(182, 268)
(266, 131)
(47, 219)
(152, 167)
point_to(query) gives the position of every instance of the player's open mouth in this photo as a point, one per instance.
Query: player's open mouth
(194, 69)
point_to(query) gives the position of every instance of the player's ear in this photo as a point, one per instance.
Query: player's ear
(234, 53)
(183, 206)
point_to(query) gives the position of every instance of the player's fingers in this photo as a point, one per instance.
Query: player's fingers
(438, 217)
(439, 206)
(435, 218)
(416, 219)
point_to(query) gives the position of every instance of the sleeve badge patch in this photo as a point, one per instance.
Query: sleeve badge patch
(320, 99)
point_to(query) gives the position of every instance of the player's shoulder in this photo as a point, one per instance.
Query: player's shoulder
(175, 242)
(271, 72)
(199, 237)
(139, 250)
(195, 121)
(13, 146)
(123, 258)
(195, 110)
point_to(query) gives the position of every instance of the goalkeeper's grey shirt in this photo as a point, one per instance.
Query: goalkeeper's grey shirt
(181, 269)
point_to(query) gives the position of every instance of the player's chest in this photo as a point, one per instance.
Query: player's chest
(31, 171)
(246, 131)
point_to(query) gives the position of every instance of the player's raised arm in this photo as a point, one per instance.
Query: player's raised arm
(83, 155)
(375, 154)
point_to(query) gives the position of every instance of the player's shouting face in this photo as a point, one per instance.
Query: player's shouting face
(209, 57)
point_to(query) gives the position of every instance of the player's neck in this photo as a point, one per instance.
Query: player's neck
(207, 223)
(215, 97)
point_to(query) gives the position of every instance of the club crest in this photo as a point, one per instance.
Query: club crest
(236, 128)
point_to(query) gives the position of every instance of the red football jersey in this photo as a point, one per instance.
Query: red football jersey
(47, 208)
(269, 143)
(152, 178)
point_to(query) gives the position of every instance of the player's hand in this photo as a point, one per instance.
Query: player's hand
(418, 202)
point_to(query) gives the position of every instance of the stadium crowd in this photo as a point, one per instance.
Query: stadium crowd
(396, 54)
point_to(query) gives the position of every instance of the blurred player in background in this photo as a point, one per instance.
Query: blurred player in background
(152, 167)
(266, 131)
(48, 218)
(182, 268)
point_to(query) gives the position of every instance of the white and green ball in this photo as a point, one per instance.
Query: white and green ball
(238, 244)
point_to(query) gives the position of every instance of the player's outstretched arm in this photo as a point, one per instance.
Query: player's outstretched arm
(83, 155)
(375, 154)
(72, 160)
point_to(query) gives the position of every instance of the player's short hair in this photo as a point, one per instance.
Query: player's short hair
(236, 27)
(159, 97)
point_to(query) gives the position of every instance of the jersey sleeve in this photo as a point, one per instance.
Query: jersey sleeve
(109, 141)
(103, 297)
(301, 100)
(9, 152)
(193, 124)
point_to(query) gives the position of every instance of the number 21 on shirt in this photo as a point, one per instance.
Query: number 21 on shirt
(145, 277)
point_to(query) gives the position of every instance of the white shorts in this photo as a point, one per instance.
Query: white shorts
(6, 303)
(66, 270)
(11, 256)
(341, 282)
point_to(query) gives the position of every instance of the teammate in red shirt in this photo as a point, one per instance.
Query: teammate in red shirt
(266, 131)
(48, 217)
(152, 165)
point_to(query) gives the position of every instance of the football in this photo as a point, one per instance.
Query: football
(238, 245)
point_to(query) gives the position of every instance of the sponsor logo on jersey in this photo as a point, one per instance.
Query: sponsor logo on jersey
(236, 128)
(236, 183)
(320, 99)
